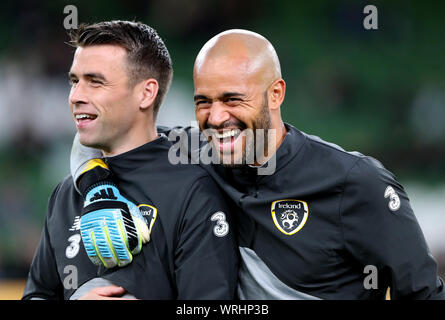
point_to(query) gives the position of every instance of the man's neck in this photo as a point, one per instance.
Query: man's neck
(280, 133)
(135, 143)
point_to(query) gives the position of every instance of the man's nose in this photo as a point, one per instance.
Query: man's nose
(218, 114)
(77, 94)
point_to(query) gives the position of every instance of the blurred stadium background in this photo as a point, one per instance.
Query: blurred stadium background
(380, 92)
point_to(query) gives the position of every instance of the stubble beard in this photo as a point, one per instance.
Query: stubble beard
(254, 141)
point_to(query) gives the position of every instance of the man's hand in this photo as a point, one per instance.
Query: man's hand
(112, 228)
(105, 293)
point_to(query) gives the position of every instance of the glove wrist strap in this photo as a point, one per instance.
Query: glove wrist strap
(94, 177)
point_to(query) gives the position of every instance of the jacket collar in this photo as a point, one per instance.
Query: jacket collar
(248, 175)
(155, 150)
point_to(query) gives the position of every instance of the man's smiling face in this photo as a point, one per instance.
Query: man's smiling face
(230, 102)
(101, 100)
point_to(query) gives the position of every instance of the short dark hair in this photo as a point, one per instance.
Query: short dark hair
(147, 54)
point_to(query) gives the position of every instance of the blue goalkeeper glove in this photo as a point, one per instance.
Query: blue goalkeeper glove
(112, 228)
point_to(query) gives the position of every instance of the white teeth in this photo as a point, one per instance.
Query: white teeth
(83, 116)
(227, 133)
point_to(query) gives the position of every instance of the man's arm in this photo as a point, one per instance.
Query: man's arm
(126, 232)
(380, 229)
(94, 181)
(80, 155)
(43, 279)
(206, 253)
(206, 263)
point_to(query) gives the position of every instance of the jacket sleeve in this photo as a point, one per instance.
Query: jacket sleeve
(381, 230)
(80, 155)
(43, 279)
(206, 255)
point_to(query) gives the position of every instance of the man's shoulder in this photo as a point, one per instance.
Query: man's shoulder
(183, 168)
(188, 173)
(332, 161)
(333, 154)
(63, 198)
(66, 184)
(176, 176)
(63, 189)
(321, 145)
(353, 165)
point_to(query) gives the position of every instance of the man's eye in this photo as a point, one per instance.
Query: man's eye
(73, 81)
(233, 101)
(96, 82)
(201, 103)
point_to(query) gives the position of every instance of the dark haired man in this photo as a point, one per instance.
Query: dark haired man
(120, 73)
(317, 223)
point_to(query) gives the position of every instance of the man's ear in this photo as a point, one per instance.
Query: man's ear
(149, 92)
(277, 91)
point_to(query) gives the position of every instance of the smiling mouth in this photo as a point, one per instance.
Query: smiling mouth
(226, 139)
(84, 118)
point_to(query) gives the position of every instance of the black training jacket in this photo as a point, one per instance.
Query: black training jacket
(327, 224)
(186, 258)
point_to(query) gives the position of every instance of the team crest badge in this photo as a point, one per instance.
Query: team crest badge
(289, 215)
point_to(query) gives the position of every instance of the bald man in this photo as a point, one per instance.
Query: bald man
(323, 223)
(238, 86)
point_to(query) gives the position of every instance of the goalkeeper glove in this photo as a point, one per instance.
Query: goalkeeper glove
(112, 228)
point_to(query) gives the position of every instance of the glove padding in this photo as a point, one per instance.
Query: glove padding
(112, 228)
